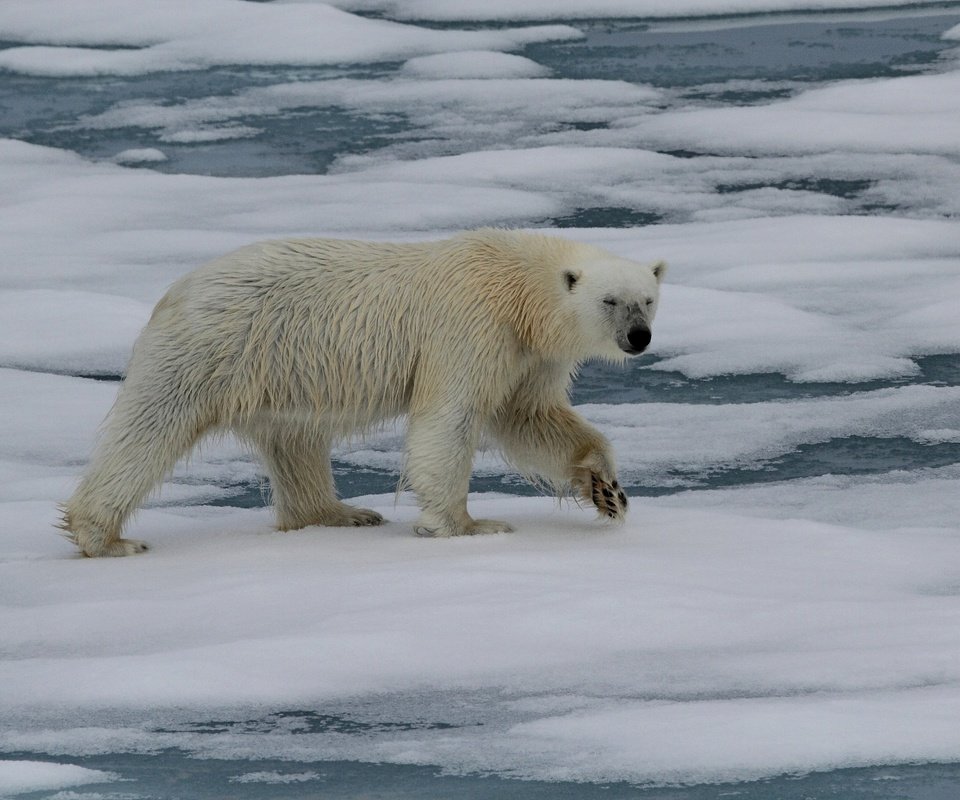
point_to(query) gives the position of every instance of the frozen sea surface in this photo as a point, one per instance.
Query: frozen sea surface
(234, 119)
(778, 617)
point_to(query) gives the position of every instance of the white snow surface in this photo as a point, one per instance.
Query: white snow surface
(80, 37)
(276, 777)
(799, 637)
(914, 114)
(140, 155)
(718, 635)
(19, 776)
(473, 64)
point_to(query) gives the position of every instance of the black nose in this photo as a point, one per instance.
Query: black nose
(639, 338)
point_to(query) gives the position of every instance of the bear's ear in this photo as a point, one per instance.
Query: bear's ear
(570, 279)
(659, 270)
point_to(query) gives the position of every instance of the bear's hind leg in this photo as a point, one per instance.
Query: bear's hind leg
(297, 458)
(143, 439)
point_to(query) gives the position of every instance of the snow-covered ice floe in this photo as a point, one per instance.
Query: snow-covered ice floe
(687, 646)
(81, 38)
(19, 776)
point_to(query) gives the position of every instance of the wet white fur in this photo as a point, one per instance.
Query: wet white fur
(295, 344)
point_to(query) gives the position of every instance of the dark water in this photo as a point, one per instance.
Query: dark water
(174, 775)
(46, 111)
(634, 382)
(807, 48)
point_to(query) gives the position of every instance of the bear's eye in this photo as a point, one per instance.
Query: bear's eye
(571, 279)
(610, 301)
(649, 303)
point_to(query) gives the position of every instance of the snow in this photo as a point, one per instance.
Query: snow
(36, 776)
(80, 38)
(276, 777)
(140, 155)
(916, 114)
(720, 634)
(893, 500)
(666, 737)
(798, 637)
(64, 331)
(473, 64)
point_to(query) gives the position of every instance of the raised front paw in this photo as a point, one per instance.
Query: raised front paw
(594, 479)
(608, 497)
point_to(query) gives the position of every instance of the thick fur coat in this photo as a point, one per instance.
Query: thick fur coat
(296, 344)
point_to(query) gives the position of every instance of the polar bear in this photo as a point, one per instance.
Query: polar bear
(294, 344)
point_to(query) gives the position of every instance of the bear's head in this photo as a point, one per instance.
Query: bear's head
(614, 302)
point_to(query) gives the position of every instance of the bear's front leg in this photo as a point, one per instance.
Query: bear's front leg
(555, 442)
(440, 448)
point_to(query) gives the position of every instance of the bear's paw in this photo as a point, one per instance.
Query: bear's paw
(608, 497)
(350, 516)
(472, 528)
(116, 548)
